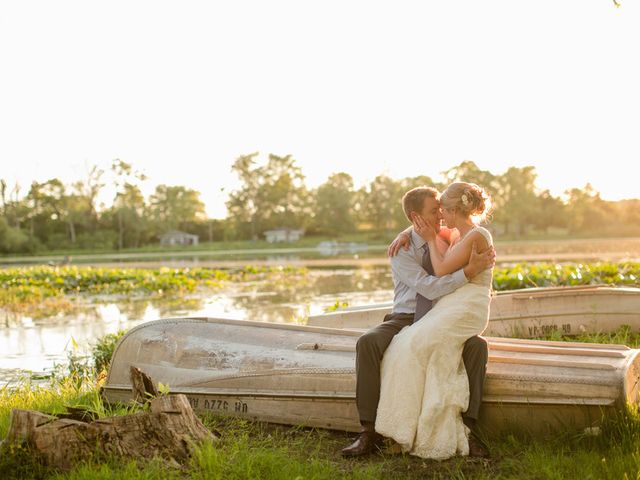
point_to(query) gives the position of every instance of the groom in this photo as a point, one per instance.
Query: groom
(415, 288)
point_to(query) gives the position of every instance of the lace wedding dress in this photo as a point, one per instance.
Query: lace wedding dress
(424, 385)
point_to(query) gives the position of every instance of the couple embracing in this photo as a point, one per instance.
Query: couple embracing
(420, 373)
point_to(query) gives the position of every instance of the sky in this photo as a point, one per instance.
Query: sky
(403, 88)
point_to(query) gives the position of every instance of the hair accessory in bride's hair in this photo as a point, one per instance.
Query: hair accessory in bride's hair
(465, 200)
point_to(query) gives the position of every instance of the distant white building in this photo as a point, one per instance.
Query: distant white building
(283, 235)
(176, 237)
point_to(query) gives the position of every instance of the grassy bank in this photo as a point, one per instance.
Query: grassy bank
(255, 450)
(546, 246)
(371, 238)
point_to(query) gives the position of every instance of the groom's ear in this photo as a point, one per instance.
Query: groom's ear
(413, 216)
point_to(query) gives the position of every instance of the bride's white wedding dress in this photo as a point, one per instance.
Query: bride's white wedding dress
(424, 385)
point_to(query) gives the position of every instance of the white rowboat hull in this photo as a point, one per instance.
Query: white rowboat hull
(303, 375)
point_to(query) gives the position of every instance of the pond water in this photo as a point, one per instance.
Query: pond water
(36, 345)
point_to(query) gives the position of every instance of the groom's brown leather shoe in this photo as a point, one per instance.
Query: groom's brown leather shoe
(477, 449)
(366, 443)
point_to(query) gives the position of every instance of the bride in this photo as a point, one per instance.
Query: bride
(424, 386)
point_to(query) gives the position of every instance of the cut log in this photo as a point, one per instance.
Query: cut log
(23, 422)
(170, 430)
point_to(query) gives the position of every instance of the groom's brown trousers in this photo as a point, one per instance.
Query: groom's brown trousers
(371, 347)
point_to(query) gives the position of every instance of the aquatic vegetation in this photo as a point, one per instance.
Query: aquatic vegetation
(51, 289)
(46, 291)
(526, 275)
(336, 306)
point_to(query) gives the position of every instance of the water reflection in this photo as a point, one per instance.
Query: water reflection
(37, 344)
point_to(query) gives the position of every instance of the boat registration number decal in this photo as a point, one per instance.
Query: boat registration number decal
(550, 328)
(236, 406)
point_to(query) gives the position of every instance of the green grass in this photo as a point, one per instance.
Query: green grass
(257, 450)
(622, 336)
(54, 397)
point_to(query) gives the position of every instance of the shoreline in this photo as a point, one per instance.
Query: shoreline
(345, 262)
(552, 250)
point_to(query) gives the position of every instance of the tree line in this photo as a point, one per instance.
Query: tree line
(52, 215)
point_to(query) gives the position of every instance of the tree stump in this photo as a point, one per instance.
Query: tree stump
(169, 429)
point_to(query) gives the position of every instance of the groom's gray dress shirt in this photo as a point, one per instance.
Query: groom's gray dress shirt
(409, 278)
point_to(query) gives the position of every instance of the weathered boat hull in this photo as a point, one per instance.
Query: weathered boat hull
(304, 375)
(527, 313)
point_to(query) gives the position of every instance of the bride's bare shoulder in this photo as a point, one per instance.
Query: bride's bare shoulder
(480, 234)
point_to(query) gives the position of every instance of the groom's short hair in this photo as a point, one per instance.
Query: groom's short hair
(413, 200)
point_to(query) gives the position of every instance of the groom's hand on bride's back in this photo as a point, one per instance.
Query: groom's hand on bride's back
(480, 261)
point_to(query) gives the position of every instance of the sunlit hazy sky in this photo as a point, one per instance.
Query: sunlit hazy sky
(180, 89)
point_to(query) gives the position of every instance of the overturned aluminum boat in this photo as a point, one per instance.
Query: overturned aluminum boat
(301, 375)
(528, 313)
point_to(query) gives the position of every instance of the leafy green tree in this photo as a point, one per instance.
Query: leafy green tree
(45, 202)
(628, 211)
(515, 199)
(334, 205)
(128, 217)
(55, 201)
(270, 196)
(283, 198)
(128, 204)
(76, 211)
(358, 208)
(469, 172)
(382, 204)
(14, 212)
(242, 204)
(85, 194)
(75, 207)
(586, 211)
(3, 196)
(550, 212)
(171, 207)
(12, 240)
(14, 209)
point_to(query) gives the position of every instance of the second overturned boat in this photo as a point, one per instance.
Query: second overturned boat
(529, 312)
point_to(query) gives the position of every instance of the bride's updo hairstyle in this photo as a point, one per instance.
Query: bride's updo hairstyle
(469, 199)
